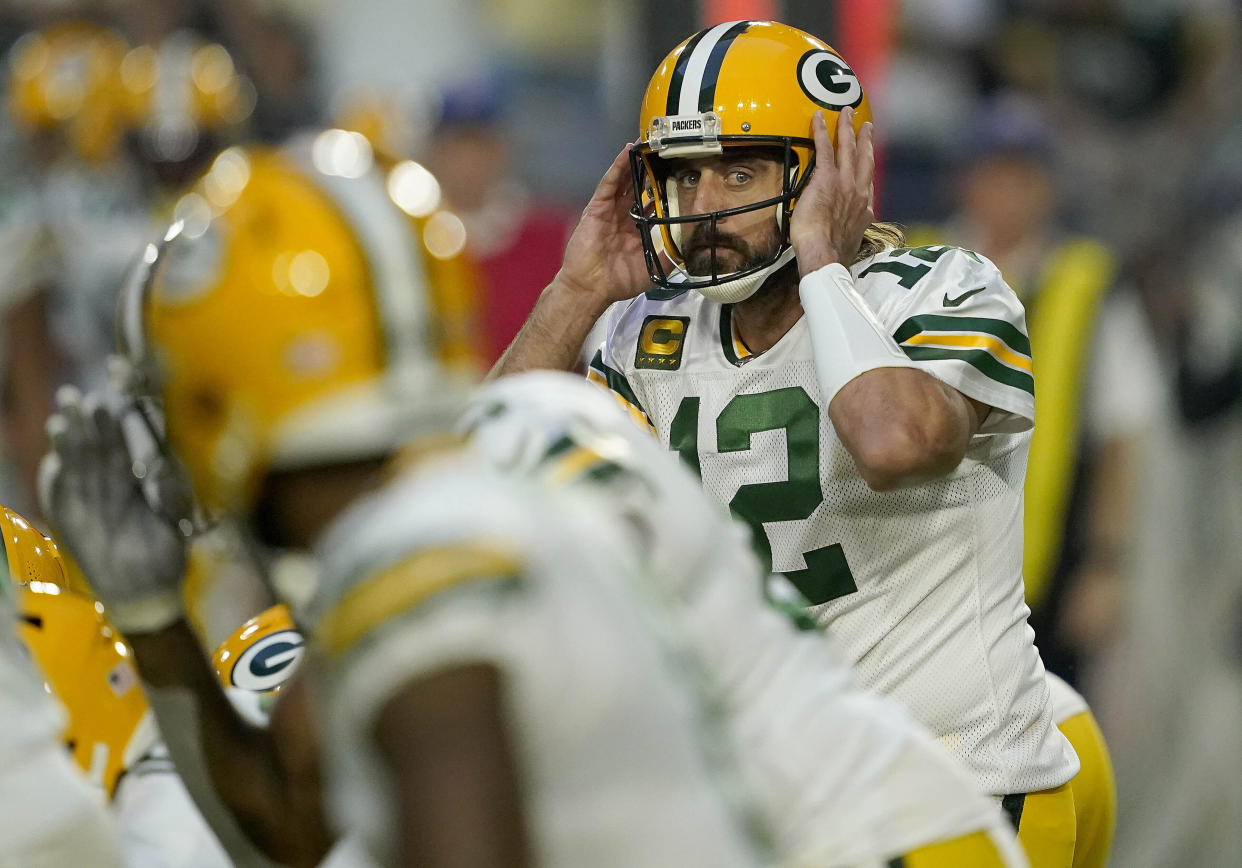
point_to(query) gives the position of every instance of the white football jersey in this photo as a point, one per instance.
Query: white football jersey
(449, 565)
(1066, 701)
(158, 823)
(922, 586)
(841, 777)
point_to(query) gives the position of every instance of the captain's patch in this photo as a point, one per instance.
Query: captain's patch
(661, 342)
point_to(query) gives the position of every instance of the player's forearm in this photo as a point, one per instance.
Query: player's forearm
(902, 426)
(227, 764)
(448, 749)
(552, 337)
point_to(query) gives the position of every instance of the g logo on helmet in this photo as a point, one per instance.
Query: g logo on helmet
(828, 81)
(268, 663)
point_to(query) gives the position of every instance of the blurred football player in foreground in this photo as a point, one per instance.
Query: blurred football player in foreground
(484, 693)
(878, 789)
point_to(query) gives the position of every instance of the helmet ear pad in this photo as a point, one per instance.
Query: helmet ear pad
(656, 196)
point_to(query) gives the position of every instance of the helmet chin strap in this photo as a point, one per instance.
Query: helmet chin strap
(741, 288)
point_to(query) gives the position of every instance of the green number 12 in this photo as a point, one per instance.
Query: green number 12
(826, 575)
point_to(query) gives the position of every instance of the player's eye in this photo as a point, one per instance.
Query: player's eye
(686, 178)
(738, 177)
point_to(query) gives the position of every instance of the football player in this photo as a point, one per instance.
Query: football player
(488, 688)
(50, 817)
(75, 212)
(880, 789)
(865, 407)
(111, 732)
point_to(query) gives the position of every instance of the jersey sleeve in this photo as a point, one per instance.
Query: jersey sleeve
(441, 606)
(609, 366)
(435, 578)
(958, 320)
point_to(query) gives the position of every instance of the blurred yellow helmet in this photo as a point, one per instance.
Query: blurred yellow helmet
(261, 654)
(738, 84)
(180, 89)
(85, 662)
(390, 121)
(292, 316)
(67, 78)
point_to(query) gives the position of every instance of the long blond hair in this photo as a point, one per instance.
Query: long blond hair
(879, 237)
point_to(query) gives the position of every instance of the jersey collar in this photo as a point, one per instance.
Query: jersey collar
(735, 350)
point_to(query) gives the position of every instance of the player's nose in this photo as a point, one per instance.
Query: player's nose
(709, 194)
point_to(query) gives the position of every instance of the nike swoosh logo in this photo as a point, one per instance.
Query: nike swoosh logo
(954, 302)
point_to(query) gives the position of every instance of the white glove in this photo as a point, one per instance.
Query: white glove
(133, 555)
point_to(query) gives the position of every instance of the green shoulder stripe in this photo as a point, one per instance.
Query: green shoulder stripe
(560, 447)
(980, 359)
(616, 381)
(1007, 332)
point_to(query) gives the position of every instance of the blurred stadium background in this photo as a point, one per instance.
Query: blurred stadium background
(1088, 146)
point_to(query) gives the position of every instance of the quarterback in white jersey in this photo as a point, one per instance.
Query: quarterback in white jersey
(921, 585)
(879, 787)
(865, 407)
(450, 567)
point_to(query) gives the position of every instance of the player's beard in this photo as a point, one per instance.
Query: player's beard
(732, 253)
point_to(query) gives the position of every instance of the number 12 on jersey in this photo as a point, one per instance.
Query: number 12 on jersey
(826, 576)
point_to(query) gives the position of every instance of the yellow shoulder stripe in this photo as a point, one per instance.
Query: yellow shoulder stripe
(573, 464)
(635, 411)
(994, 345)
(406, 585)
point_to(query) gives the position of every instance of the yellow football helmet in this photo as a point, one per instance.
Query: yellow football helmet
(738, 84)
(389, 121)
(178, 91)
(67, 78)
(261, 654)
(85, 662)
(297, 314)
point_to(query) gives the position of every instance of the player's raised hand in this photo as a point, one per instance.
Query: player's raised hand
(604, 256)
(133, 557)
(837, 204)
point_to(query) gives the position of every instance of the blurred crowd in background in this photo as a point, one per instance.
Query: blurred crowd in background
(1091, 148)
